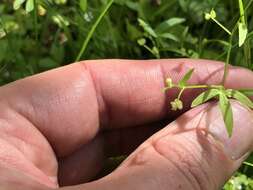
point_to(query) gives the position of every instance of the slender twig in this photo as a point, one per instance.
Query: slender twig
(92, 30)
(35, 15)
(228, 56)
(195, 87)
(248, 5)
(223, 27)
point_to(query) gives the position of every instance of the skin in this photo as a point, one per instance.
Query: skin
(58, 127)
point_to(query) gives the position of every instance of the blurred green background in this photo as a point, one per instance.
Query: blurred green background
(43, 34)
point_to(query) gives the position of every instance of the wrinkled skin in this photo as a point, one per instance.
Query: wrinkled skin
(58, 127)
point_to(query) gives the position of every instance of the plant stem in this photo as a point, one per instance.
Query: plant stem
(148, 48)
(180, 93)
(223, 27)
(248, 5)
(35, 14)
(92, 30)
(192, 87)
(242, 13)
(228, 57)
(226, 65)
(202, 86)
(246, 47)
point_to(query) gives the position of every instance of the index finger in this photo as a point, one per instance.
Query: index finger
(70, 104)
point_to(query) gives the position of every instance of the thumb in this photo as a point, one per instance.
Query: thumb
(192, 153)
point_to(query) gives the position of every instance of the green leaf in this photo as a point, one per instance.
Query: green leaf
(17, 4)
(227, 113)
(213, 14)
(204, 97)
(242, 12)
(29, 6)
(169, 36)
(164, 26)
(240, 97)
(83, 5)
(141, 41)
(147, 28)
(186, 77)
(243, 31)
(247, 92)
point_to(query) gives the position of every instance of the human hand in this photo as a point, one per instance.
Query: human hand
(59, 127)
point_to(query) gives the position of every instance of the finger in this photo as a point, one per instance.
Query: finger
(191, 153)
(68, 105)
(83, 165)
(14, 179)
(86, 163)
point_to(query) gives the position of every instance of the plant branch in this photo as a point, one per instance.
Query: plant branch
(91, 32)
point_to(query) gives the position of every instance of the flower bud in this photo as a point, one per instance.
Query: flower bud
(179, 104)
(176, 105)
(169, 83)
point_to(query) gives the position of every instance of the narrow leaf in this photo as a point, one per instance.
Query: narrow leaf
(227, 113)
(83, 5)
(242, 12)
(29, 6)
(17, 4)
(147, 28)
(204, 97)
(164, 26)
(241, 98)
(243, 31)
(186, 77)
(169, 36)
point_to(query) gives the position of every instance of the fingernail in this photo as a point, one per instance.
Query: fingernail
(240, 143)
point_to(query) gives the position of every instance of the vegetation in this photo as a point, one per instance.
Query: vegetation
(37, 35)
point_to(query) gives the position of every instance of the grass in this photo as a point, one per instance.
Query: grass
(58, 32)
(92, 30)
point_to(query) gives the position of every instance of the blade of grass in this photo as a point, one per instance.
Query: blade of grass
(92, 30)
(35, 14)
(227, 61)
(248, 5)
(247, 47)
(228, 56)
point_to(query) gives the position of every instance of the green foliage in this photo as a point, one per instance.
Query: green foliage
(29, 6)
(184, 80)
(17, 4)
(172, 29)
(92, 30)
(205, 96)
(83, 5)
(241, 97)
(238, 182)
(226, 111)
(213, 91)
(219, 90)
(242, 25)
